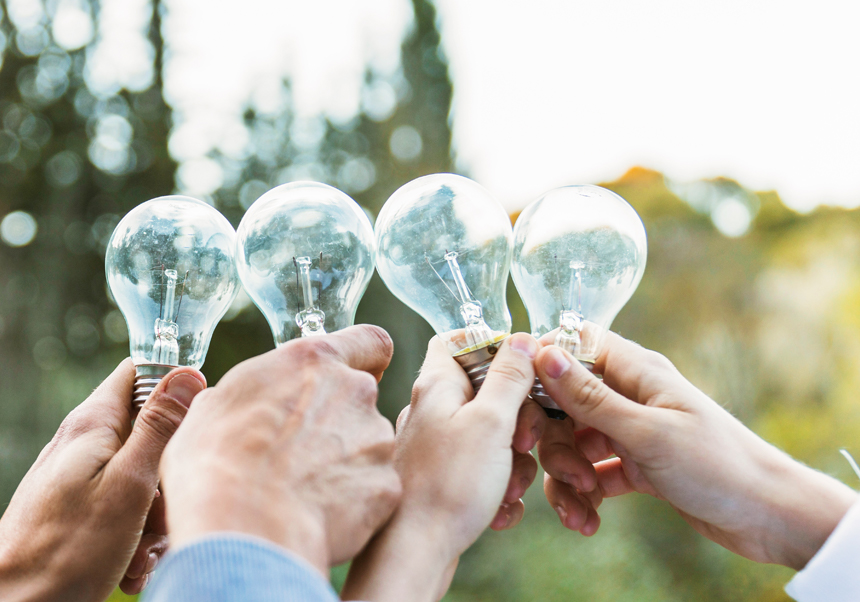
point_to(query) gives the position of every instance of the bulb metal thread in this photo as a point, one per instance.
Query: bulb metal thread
(551, 408)
(477, 363)
(147, 377)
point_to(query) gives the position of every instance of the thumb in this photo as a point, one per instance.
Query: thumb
(509, 380)
(158, 419)
(586, 398)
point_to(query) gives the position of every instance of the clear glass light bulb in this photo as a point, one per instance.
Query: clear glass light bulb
(579, 254)
(170, 268)
(305, 256)
(443, 247)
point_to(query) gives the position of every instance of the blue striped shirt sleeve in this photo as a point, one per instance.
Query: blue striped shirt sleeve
(227, 567)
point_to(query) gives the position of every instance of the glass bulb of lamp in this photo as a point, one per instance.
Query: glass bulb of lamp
(443, 247)
(305, 257)
(170, 268)
(579, 254)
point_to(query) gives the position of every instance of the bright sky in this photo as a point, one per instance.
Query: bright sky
(764, 91)
(550, 93)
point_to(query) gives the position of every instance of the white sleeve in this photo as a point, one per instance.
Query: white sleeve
(833, 574)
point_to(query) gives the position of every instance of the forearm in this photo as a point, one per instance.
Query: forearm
(402, 563)
(807, 505)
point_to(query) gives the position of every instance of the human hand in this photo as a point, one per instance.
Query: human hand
(83, 519)
(289, 446)
(457, 466)
(675, 443)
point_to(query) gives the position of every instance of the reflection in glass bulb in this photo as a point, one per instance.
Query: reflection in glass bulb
(443, 247)
(305, 256)
(579, 254)
(170, 268)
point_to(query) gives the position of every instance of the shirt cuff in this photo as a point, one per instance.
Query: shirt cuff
(233, 567)
(832, 573)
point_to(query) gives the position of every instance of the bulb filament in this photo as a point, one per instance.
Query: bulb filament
(569, 335)
(166, 348)
(311, 319)
(478, 334)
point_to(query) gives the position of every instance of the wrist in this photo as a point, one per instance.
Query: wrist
(290, 526)
(408, 560)
(807, 507)
(23, 582)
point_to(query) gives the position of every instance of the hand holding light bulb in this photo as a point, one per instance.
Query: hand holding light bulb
(443, 247)
(579, 254)
(305, 256)
(170, 268)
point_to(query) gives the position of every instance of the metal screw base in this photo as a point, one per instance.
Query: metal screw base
(545, 401)
(477, 363)
(147, 378)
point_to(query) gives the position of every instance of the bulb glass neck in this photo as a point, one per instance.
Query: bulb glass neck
(311, 319)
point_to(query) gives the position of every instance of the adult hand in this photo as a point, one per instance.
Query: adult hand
(675, 443)
(457, 467)
(289, 446)
(83, 519)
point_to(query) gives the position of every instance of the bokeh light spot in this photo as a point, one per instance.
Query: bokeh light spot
(49, 353)
(406, 144)
(251, 191)
(18, 229)
(357, 175)
(72, 25)
(732, 217)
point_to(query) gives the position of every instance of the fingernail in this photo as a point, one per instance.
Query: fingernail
(562, 513)
(183, 388)
(556, 363)
(151, 563)
(572, 479)
(524, 344)
(508, 518)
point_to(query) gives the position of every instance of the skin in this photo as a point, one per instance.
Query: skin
(289, 447)
(87, 516)
(456, 464)
(673, 442)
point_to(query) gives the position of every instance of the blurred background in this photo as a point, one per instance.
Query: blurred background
(732, 128)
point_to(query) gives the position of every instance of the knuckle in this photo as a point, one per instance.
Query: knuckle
(489, 418)
(401, 419)
(364, 387)
(592, 393)
(314, 349)
(513, 373)
(163, 418)
(658, 361)
(78, 422)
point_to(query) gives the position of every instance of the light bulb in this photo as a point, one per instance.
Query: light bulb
(443, 247)
(170, 268)
(305, 257)
(579, 254)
